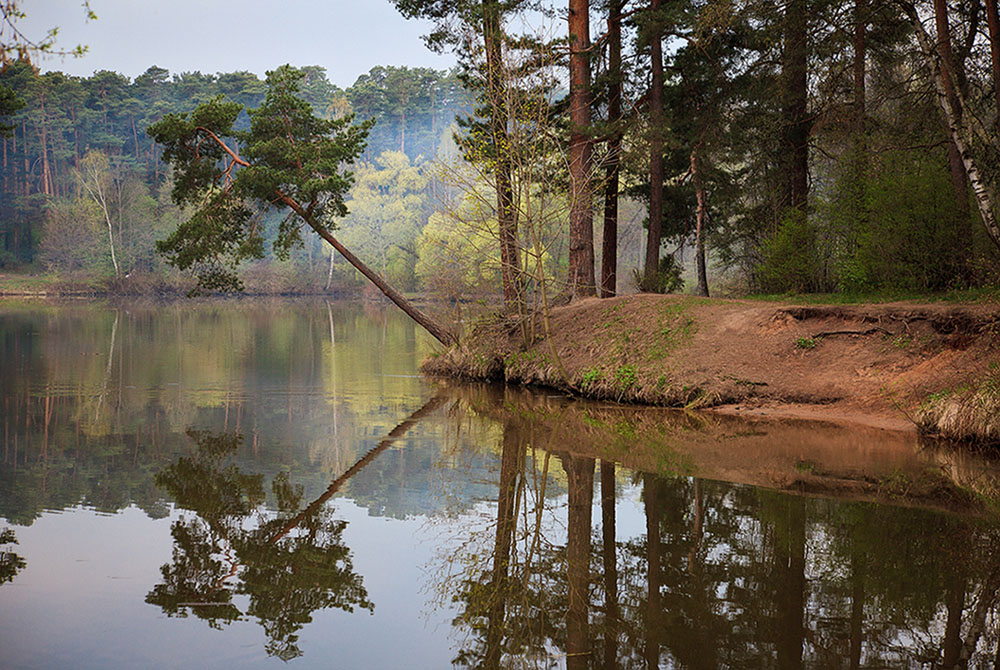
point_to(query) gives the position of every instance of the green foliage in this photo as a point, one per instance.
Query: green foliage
(668, 277)
(11, 562)
(458, 254)
(388, 208)
(907, 241)
(286, 575)
(806, 342)
(590, 377)
(625, 377)
(791, 262)
(289, 159)
(9, 104)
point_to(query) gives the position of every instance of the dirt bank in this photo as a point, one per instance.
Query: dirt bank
(895, 365)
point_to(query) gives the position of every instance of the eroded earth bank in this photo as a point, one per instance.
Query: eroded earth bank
(935, 367)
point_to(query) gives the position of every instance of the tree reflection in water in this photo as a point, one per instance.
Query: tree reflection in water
(723, 575)
(10, 562)
(233, 548)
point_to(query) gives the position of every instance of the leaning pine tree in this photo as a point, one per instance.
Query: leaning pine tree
(289, 160)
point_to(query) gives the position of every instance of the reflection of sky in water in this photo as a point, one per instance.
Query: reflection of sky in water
(80, 601)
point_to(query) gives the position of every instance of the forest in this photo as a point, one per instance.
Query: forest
(807, 146)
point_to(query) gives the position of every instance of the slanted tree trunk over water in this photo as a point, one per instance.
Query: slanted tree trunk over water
(294, 161)
(440, 333)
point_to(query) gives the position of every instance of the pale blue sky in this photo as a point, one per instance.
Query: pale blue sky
(347, 37)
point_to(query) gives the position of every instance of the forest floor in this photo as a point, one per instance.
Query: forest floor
(899, 365)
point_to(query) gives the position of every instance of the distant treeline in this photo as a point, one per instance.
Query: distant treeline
(77, 163)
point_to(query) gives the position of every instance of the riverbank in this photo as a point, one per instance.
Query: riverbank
(904, 366)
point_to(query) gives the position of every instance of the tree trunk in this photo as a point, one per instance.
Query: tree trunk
(700, 218)
(610, 559)
(43, 140)
(655, 148)
(652, 500)
(329, 274)
(857, 610)
(511, 464)
(27, 163)
(496, 85)
(952, 643)
(609, 247)
(794, 105)
(581, 215)
(859, 159)
(135, 138)
(580, 475)
(395, 434)
(963, 232)
(790, 579)
(993, 22)
(440, 333)
(957, 126)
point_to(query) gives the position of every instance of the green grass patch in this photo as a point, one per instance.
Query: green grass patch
(806, 342)
(625, 377)
(971, 296)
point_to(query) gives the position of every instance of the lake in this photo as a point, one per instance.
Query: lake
(221, 484)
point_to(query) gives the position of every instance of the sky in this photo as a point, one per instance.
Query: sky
(347, 37)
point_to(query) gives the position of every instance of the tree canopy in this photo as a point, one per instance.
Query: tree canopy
(289, 159)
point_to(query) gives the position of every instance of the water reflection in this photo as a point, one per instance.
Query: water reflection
(725, 575)
(289, 564)
(564, 534)
(10, 562)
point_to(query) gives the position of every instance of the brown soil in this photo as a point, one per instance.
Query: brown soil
(887, 365)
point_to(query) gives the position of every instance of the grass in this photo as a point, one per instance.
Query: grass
(590, 377)
(968, 413)
(625, 377)
(972, 295)
(806, 342)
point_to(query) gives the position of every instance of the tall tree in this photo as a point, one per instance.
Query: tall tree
(951, 101)
(581, 215)
(654, 36)
(609, 245)
(993, 24)
(795, 97)
(485, 20)
(291, 160)
(949, 74)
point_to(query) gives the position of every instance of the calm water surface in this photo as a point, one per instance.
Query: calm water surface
(252, 483)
